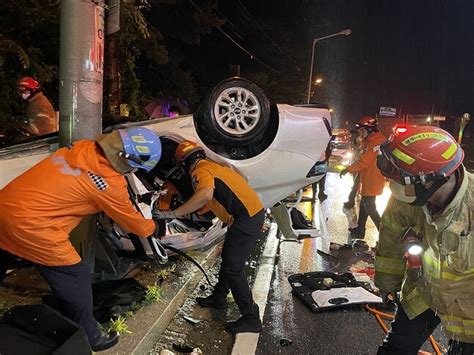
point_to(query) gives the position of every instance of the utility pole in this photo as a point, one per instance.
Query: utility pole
(81, 69)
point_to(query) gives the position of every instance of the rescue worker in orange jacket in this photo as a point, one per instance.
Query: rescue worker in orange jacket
(234, 202)
(40, 115)
(371, 180)
(42, 206)
(426, 240)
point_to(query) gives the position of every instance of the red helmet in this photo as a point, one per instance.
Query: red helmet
(186, 150)
(28, 83)
(418, 154)
(366, 122)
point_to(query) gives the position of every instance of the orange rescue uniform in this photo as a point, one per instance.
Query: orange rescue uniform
(41, 116)
(233, 198)
(42, 206)
(371, 178)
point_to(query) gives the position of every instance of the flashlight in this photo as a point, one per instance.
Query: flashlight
(413, 249)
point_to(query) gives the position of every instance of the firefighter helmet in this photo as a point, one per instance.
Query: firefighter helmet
(366, 122)
(141, 147)
(188, 151)
(28, 83)
(418, 154)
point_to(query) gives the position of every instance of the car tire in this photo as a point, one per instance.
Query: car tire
(235, 113)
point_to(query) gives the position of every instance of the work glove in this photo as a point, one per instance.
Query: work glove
(389, 299)
(160, 215)
(343, 172)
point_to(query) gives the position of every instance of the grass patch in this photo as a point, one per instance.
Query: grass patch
(163, 274)
(118, 325)
(152, 294)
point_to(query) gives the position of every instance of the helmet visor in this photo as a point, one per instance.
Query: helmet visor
(387, 164)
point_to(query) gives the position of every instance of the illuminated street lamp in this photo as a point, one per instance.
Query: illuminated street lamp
(346, 32)
(316, 82)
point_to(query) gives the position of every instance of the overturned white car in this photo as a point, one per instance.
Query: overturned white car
(278, 149)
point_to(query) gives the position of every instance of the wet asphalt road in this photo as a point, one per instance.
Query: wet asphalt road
(335, 332)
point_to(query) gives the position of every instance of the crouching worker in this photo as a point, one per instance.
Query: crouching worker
(426, 241)
(42, 206)
(234, 202)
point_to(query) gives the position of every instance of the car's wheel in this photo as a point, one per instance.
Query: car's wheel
(236, 112)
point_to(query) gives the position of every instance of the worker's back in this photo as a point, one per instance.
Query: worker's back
(233, 198)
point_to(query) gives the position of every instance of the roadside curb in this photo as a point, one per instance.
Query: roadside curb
(148, 323)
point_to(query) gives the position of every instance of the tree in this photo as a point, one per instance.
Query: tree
(29, 38)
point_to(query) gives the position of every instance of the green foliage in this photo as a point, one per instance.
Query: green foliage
(153, 294)
(118, 325)
(135, 36)
(29, 39)
(151, 52)
(165, 272)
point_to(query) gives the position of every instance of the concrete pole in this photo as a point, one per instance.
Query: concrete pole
(311, 72)
(81, 70)
(81, 67)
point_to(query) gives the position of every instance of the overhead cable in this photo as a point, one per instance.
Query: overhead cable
(249, 16)
(252, 56)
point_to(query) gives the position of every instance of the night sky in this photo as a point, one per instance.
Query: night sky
(415, 55)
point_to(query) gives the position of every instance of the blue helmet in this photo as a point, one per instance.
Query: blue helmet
(141, 147)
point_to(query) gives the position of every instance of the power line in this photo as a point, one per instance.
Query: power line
(234, 28)
(249, 16)
(252, 56)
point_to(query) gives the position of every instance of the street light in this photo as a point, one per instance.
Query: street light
(316, 82)
(346, 32)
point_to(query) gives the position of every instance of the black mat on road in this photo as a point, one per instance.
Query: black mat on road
(304, 284)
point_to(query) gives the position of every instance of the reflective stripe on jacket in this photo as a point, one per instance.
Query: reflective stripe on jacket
(446, 280)
(42, 206)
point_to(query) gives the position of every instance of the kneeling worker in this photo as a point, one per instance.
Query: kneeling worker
(234, 202)
(42, 206)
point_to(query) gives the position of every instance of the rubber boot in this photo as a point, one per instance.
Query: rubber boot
(250, 323)
(105, 341)
(212, 301)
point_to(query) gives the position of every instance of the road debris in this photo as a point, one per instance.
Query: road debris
(192, 320)
(182, 348)
(285, 342)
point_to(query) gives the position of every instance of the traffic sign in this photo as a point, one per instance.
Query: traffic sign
(387, 111)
